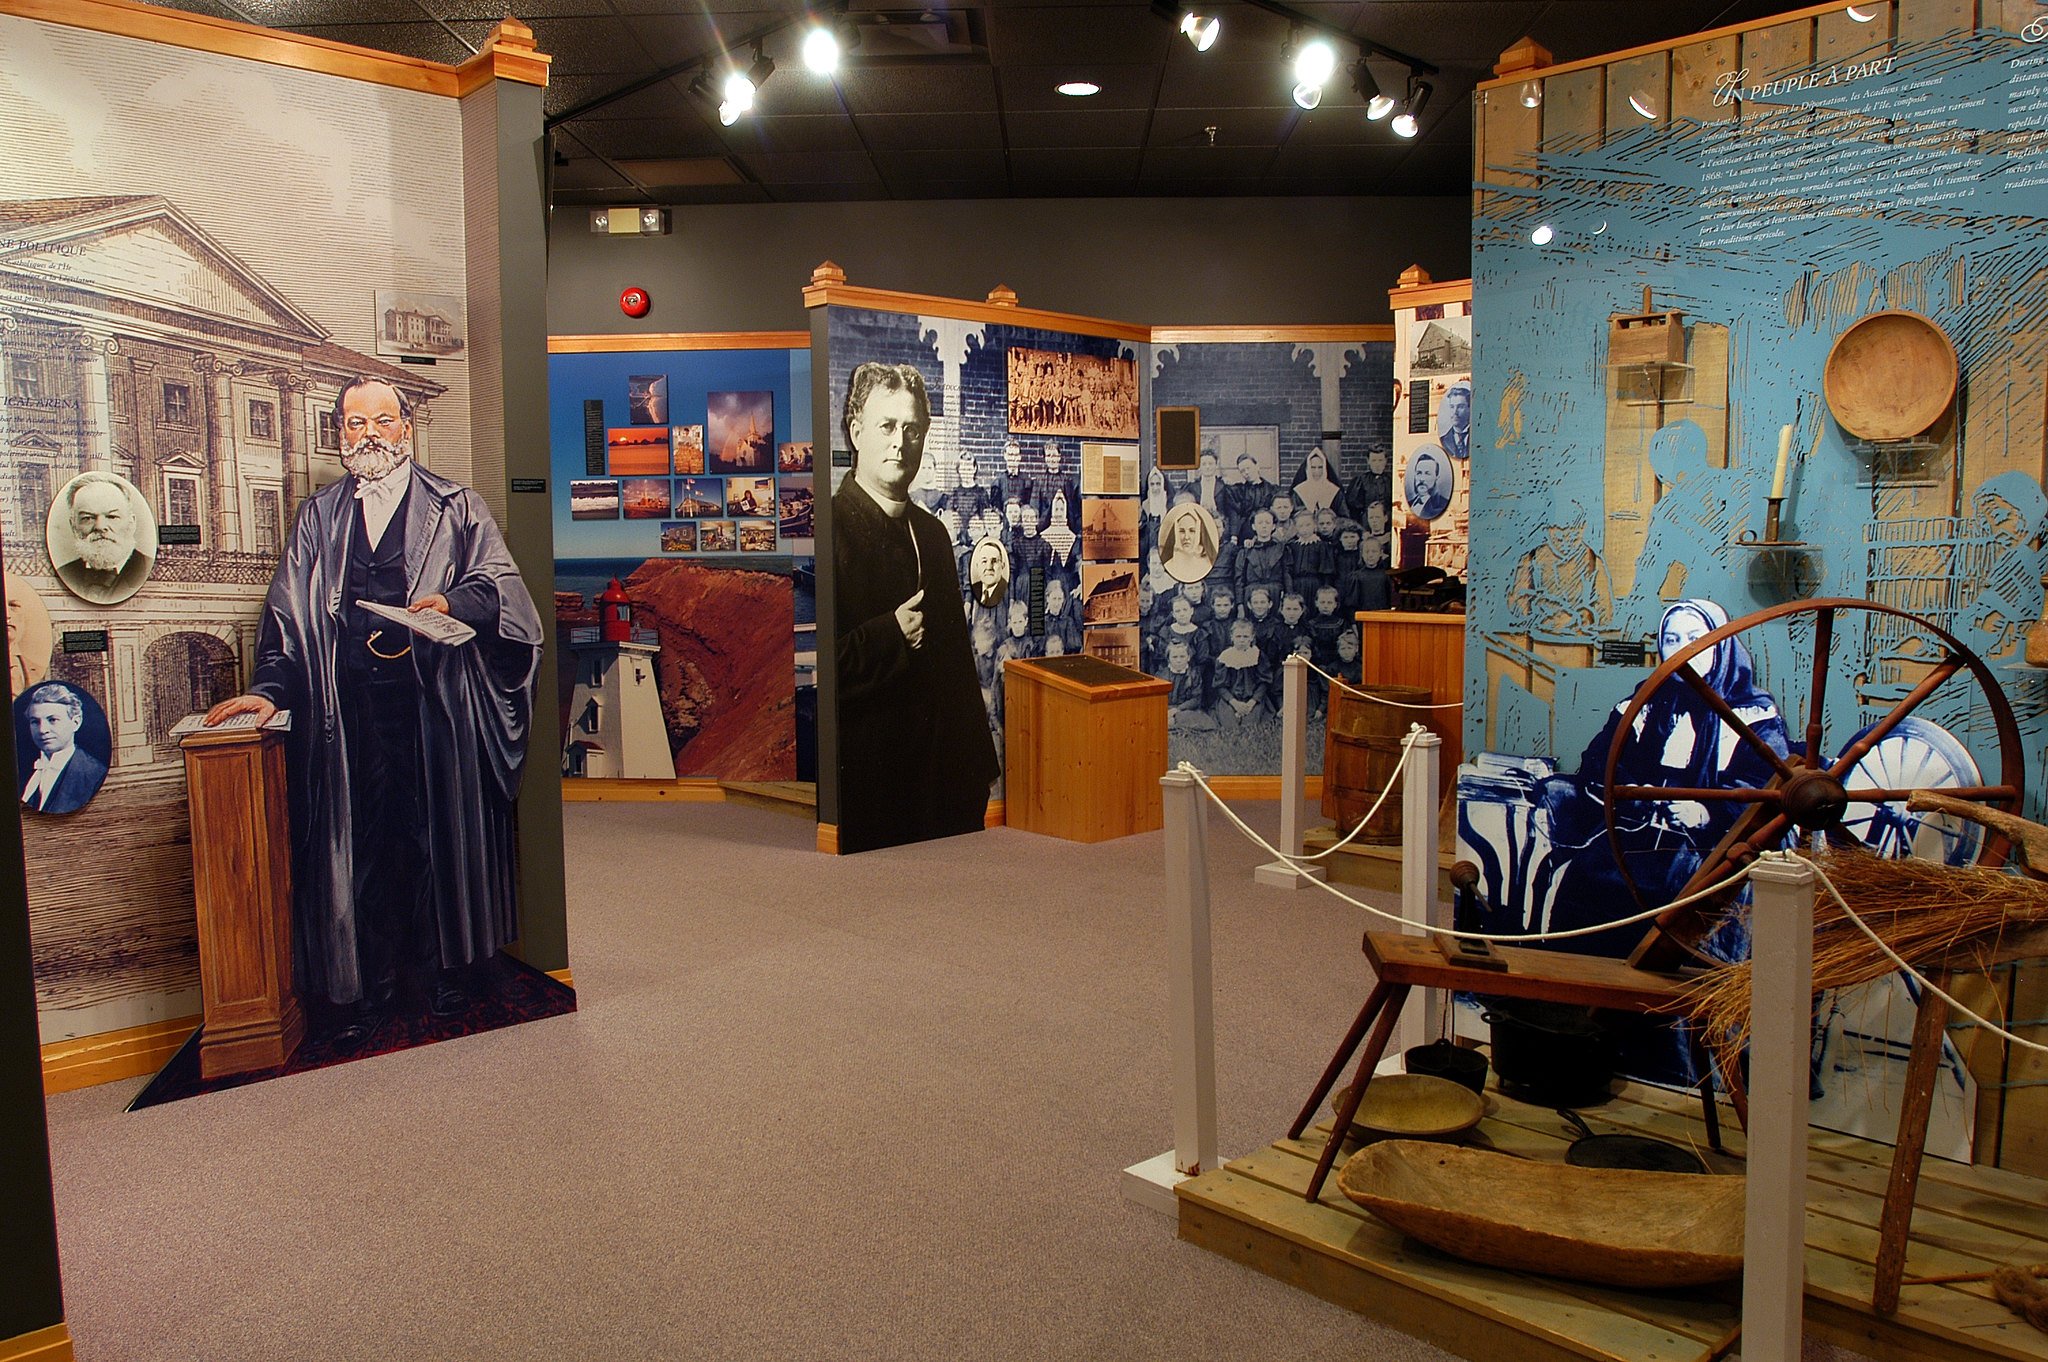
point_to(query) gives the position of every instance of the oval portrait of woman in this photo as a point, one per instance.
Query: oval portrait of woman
(1188, 537)
(62, 746)
(101, 537)
(29, 636)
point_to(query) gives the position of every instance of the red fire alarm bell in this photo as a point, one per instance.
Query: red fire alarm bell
(634, 302)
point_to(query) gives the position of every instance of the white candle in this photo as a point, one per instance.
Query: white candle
(1784, 452)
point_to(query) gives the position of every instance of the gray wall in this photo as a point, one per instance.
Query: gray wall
(1159, 262)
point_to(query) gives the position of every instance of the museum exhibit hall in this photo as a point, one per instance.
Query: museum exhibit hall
(1024, 678)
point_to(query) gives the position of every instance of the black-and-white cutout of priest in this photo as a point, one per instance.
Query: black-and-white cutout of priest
(916, 757)
(404, 754)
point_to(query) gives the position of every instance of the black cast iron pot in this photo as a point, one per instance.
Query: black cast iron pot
(1550, 1054)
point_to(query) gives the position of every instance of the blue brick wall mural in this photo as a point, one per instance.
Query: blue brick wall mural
(1904, 178)
(1294, 452)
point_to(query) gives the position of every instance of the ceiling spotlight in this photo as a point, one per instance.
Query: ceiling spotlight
(1543, 235)
(739, 95)
(1644, 105)
(762, 68)
(1201, 29)
(821, 51)
(1079, 89)
(1860, 14)
(1378, 104)
(729, 113)
(1531, 94)
(1315, 61)
(1407, 122)
(1308, 96)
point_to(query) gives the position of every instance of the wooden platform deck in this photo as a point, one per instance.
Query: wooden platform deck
(1968, 1220)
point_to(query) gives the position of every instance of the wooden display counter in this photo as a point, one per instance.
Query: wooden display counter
(1084, 745)
(242, 883)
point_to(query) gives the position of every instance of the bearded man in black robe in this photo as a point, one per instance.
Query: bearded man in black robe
(404, 753)
(916, 757)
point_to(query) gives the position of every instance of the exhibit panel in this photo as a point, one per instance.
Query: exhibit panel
(194, 384)
(683, 473)
(1763, 324)
(964, 547)
(1292, 473)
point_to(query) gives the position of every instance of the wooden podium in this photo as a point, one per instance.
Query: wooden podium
(242, 881)
(1084, 745)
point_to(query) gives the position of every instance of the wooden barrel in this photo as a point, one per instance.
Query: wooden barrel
(1361, 749)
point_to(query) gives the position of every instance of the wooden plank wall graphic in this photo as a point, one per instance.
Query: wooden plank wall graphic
(2000, 427)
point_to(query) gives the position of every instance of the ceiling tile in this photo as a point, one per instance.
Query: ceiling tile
(299, 13)
(796, 133)
(586, 172)
(1234, 127)
(663, 99)
(429, 42)
(920, 88)
(1226, 85)
(590, 44)
(1109, 128)
(897, 166)
(791, 167)
(641, 138)
(917, 132)
(1057, 35)
(1340, 161)
(1169, 163)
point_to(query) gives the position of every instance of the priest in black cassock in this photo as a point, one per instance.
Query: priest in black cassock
(404, 753)
(916, 757)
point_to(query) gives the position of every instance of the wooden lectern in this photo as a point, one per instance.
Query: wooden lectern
(1084, 745)
(242, 880)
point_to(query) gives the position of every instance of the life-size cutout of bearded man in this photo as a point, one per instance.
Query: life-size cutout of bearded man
(405, 753)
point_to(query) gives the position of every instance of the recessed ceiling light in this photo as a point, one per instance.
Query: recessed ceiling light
(1080, 89)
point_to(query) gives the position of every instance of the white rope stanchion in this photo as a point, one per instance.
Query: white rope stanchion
(1499, 938)
(1350, 688)
(1288, 872)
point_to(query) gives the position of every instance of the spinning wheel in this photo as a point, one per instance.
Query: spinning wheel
(1806, 793)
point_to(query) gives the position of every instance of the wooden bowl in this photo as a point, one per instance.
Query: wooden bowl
(1890, 376)
(1606, 1225)
(1415, 1106)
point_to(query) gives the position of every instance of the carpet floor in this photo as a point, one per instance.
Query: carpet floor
(809, 1107)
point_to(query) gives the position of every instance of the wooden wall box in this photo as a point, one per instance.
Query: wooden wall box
(1397, 648)
(1084, 744)
(241, 879)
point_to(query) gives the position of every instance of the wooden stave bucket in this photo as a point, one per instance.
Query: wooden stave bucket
(1361, 749)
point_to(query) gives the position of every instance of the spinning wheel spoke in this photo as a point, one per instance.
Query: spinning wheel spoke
(1842, 839)
(1763, 839)
(1861, 795)
(1737, 794)
(1823, 641)
(1878, 731)
(1729, 717)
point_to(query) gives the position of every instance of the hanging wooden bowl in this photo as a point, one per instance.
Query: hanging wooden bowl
(1589, 1224)
(1890, 376)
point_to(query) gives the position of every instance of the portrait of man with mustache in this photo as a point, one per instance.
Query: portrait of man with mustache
(405, 753)
(101, 538)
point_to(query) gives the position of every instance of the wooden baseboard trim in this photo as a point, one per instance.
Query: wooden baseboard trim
(828, 838)
(1261, 787)
(132, 1052)
(593, 791)
(994, 817)
(44, 1345)
(562, 977)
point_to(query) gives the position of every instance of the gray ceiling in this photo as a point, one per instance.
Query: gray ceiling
(957, 101)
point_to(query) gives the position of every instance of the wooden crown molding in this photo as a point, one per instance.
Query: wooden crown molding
(1427, 293)
(1263, 335)
(829, 289)
(508, 55)
(680, 340)
(504, 56)
(1808, 14)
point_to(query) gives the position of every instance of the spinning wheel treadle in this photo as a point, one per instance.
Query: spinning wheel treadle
(1806, 792)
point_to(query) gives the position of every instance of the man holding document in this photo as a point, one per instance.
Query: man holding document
(399, 633)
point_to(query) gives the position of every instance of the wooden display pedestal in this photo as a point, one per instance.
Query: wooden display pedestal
(241, 879)
(1084, 745)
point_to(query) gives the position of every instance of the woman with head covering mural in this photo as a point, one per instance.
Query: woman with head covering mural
(1677, 740)
(1315, 490)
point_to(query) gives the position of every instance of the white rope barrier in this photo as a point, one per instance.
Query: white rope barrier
(1710, 891)
(1407, 745)
(1907, 969)
(1350, 689)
